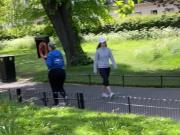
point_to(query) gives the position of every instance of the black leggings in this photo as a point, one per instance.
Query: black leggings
(104, 72)
(56, 79)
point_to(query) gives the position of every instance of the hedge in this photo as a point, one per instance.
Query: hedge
(128, 23)
(139, 22)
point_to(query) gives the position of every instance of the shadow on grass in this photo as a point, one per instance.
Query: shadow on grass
(70, 121)
(29, 66)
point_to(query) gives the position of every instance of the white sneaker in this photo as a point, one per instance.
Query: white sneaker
(111, 94)
(104, 95)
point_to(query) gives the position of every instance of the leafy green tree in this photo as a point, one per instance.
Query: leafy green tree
(67, 18)
(15, 13)
(124, 7)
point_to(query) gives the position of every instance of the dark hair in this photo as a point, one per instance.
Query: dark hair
(99, 45)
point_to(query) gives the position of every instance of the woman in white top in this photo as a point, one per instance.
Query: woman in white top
(101, 64)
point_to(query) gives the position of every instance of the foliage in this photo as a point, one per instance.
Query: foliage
(19, 43)
(20, 12)
(32, 120)
(69, 13)
(150, 56)
(124, 8)
(21, 31)
(90, 15)
(87, 17)
(20, 18)
(152, 33)
(139, 22)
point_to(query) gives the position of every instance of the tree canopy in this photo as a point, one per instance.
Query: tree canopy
(67, 17)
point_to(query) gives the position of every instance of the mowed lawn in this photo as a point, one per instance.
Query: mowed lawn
(19, 119)
(133, 57)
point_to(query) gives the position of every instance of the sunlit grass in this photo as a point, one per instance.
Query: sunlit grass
(20, 43)
(32, 120)
(143, 55)
(137, 57)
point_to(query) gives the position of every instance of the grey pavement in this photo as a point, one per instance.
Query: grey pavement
(172, 93)
(147, 101)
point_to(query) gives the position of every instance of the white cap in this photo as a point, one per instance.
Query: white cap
(102, 40)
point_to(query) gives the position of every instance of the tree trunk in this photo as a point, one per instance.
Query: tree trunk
(61, 18)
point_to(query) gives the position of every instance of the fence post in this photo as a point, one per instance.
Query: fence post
(80, 99)
(129, 104)
(44, 99)
(19, 95)
(123, 81)
(161, 81)
(89, 76)
(10, 96)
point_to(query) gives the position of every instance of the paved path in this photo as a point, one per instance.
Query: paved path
(172, 93)
(119, 103)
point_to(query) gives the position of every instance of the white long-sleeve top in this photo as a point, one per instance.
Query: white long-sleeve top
(102, 57)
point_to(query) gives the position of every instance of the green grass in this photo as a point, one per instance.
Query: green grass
(144, 55)
(19, 43)
(18, 119)
(133, 57)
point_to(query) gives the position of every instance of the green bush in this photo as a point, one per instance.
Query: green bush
(138, 22)
(19, 43)
(152, 33)
(21, 31)
(149, 21)
(142, 23)
(27, 42)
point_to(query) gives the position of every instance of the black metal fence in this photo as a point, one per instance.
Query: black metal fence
(41, 97)
(128, 80)
(117, 104)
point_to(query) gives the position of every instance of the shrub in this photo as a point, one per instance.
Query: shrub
(138, 22)
(21, 31)
(152, 33)
(20, 43)
(149, 21)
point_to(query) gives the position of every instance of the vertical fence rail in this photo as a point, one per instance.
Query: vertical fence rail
(44, 99)
(161, 77)
(129, 104)
(80, 100)
(9, 93)
(19, 95)
(89, 78)
(123, 81)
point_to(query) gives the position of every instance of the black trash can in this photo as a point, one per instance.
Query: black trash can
(7, 68)
(42, 45)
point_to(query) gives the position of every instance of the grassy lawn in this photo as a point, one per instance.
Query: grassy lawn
(133, 57)
(143, 55)
(19, 119)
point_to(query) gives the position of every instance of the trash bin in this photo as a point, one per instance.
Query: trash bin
(7, 68)
(42, 45)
